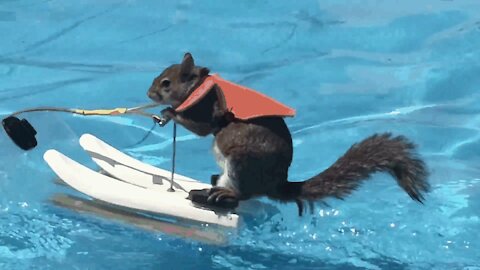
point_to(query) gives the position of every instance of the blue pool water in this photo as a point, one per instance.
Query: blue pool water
(349, 68)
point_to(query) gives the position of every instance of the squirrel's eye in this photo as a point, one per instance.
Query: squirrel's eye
(165, 83)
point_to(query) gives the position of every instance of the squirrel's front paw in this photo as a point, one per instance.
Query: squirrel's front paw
(168, 113)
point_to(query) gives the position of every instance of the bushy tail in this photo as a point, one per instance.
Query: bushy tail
(378, 153)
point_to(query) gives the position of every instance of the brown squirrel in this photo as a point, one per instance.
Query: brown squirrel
(255, 154)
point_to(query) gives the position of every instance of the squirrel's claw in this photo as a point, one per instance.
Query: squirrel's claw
(219, 194)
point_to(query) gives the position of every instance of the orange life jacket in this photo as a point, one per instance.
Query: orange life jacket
(244, 103)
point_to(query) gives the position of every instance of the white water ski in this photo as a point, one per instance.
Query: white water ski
(133, 171)
(135, 196)
(128, 169)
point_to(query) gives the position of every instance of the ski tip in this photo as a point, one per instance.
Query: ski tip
(50, 154)
(85, 138)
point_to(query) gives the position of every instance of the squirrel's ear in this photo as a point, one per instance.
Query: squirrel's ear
(187, 64)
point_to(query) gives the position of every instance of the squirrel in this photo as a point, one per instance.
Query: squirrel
(255, 154)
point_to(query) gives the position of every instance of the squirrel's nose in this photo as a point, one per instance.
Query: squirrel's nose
(150, 94)
(154, 96)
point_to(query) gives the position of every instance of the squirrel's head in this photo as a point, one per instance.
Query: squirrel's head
(176, 82)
